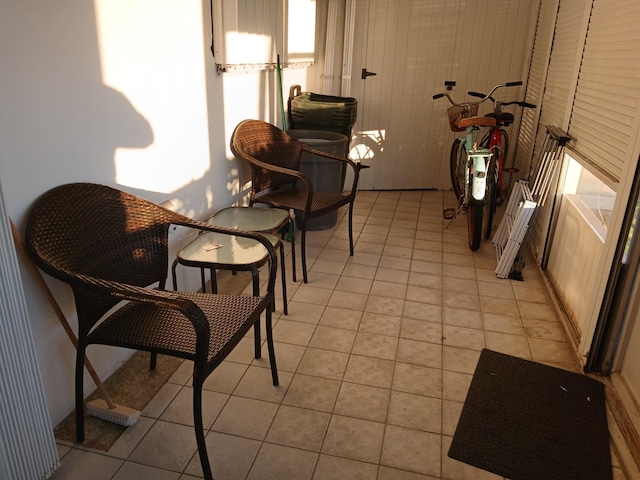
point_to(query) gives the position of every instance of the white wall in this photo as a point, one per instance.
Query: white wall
(124, 93)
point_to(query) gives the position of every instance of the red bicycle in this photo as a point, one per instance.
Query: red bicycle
(497, 141)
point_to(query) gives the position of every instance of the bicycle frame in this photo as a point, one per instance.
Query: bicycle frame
(498, 133)
(496, 140)
(477, 163)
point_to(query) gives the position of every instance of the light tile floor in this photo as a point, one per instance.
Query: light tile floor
(375, 359)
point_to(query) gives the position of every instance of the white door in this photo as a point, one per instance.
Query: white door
(413, 47)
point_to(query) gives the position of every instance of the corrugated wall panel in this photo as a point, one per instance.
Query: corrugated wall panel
(414, 47)
(442, 20)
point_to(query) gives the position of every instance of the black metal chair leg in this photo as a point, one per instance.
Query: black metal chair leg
(292, 233)
(303, 254)
(79, 392)
(153, 361)
(272, 354)
(351, 228)
(198, 425)
(285, 309)
(256, 326)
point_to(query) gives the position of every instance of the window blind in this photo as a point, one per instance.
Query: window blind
(608, 92)
(535, 85)
(566, 52)
(557, 98)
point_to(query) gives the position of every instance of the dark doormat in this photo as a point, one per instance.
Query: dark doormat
(528, 421)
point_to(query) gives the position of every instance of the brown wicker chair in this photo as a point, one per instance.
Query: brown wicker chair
(274, 158)
(111, 247)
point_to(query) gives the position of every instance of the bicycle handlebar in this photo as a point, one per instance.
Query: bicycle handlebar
(503, 104)
(483, 97)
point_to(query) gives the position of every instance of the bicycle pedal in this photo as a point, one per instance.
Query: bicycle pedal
(449, 213)
(511, 170)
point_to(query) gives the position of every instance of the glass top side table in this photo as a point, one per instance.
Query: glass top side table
(257, 219)
(229, 252)
(214, 250)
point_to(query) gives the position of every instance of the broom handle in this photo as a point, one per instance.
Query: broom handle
(56, 308)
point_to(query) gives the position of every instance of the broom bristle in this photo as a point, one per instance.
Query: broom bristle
(119, 414)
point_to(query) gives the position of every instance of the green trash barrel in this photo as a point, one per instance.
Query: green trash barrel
(312, 111)
(326, 175)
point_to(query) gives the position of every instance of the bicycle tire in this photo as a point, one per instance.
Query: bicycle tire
(504, 186)
(456, 168)
(491, 195)
(474, 223)
(495, 187)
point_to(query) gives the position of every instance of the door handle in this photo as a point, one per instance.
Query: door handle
(366, 74)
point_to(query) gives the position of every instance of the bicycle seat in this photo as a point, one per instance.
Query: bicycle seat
(502, 118)
(477, 122)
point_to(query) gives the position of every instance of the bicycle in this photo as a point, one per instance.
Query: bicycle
(497, 140)
(469, 164)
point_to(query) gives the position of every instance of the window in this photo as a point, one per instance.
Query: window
(590, 195)
(251, 34)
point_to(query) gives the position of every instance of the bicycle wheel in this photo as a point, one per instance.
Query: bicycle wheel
(474, 223)
(504, 185)
(491, 194)
(457, 161)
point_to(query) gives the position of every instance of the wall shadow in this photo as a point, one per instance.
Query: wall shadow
(60, 123)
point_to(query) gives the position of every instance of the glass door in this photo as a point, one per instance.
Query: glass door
(619, 309)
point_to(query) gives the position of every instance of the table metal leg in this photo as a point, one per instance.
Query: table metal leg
(256, 326)
(285, 309)
(214, 280)
(292, 235)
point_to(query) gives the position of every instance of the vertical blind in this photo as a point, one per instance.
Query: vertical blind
(585, 76)
(607, 100)
(568, 42)
(535, 85)
(559, 85)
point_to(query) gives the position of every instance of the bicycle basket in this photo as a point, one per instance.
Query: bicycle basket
(457, 113)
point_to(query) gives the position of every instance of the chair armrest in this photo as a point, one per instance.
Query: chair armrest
(275, 168)
(163, 298)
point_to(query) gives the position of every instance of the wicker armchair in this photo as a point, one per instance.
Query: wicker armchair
(111, 247)
(274, 158)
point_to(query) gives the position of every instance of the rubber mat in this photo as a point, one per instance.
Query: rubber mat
(528, 421)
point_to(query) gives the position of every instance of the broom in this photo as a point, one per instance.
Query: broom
(103, 408)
